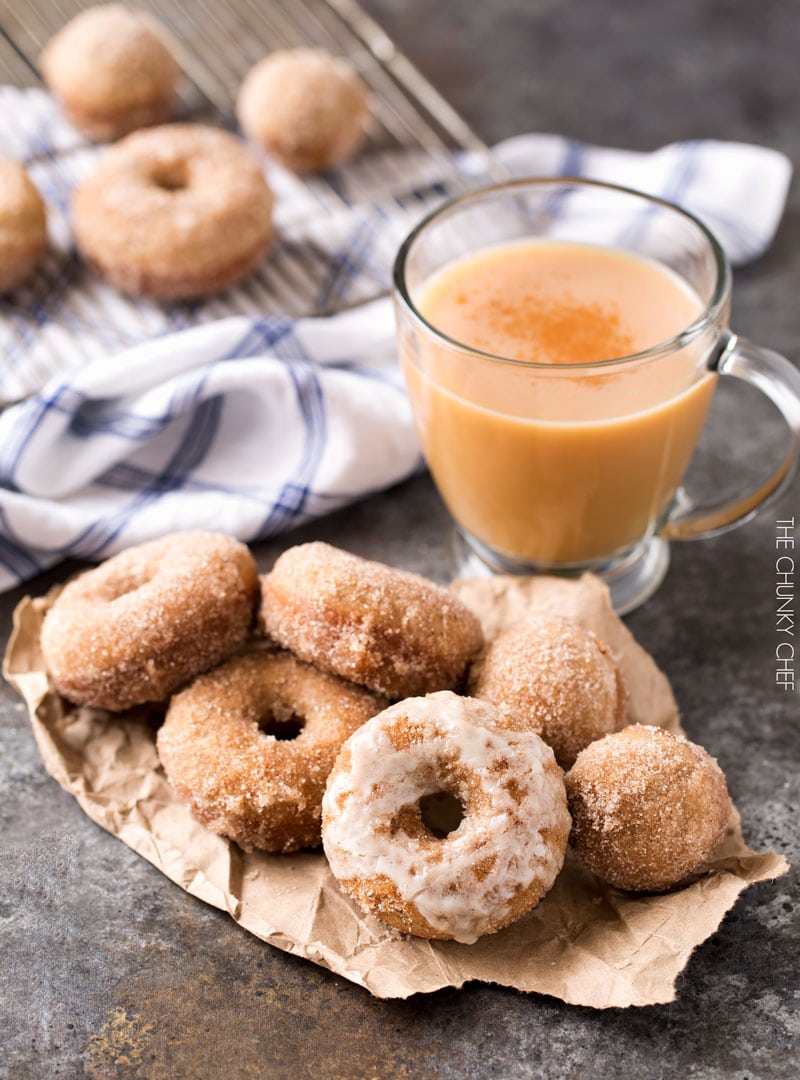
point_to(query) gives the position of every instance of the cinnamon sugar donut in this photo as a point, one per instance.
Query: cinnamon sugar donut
(485, 873)
(389, 630)
(556, 677)
(145, 621)
(174, 212)
(223, 748)
(648, 807)
(23, 226)
(305, 107)
(112, 71)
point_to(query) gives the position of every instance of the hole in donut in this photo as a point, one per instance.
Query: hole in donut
(441, 813)
(282, 728)
(170, 176)
(122, 585)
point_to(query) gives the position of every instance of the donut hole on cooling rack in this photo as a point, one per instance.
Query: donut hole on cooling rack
(170, 175)
(283, 725)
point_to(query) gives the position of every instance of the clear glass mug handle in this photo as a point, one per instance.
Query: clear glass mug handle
(779, 380)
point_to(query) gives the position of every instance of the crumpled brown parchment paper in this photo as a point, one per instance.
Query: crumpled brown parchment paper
(586, 943)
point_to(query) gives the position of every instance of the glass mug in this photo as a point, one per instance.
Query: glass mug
(569, 467)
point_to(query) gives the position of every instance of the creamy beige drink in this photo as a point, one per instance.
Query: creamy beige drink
(537, 464)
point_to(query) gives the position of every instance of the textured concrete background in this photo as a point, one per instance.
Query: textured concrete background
(126, 976)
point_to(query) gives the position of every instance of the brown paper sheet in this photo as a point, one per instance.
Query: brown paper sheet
(585, 943)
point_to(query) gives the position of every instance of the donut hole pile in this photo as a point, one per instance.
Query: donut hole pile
(443, 815)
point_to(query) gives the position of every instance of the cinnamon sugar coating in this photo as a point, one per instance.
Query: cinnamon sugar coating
(23, 225)
(174, 212)
(112, 71)
(306, 108)
(456, 883)
(648, 808)
(392, 631)
(556, 677)
(149, 619)
(262, 791)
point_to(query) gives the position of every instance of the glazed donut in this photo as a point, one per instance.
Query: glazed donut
(147, 620)
(441, 882)
(556, 677)
(112, 71)
(305, 107)
(386, 629)
(222, 748)
(174, 212)
(23, 226)
(648, 807)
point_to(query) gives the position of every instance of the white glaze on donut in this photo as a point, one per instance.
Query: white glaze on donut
(513, 833)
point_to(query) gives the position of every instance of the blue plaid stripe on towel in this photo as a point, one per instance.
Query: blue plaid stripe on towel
(239, 413)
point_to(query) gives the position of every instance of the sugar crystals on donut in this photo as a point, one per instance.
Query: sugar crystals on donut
(174, 212)
(257, 786)
(306, 108)
(556, 677)
(649, 808)
(394, 632)
(112, 70)
(144, 622)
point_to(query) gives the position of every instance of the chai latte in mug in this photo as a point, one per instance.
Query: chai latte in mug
(539, 464)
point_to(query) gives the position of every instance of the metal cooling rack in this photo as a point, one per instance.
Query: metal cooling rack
(336, 234)
(217, 43)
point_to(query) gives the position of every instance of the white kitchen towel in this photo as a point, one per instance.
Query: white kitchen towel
(247, 426)
(229, 413)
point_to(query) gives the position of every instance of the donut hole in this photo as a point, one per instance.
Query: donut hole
(283, 727)
(114, 588)
(441, 813)
(170, 175)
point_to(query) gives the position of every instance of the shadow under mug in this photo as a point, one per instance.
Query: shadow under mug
(548, 468)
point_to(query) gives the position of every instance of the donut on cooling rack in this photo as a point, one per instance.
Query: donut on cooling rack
(230, 746)
(389, 630)
(456, 879)
(149, 619)
(648, 808)
(111, 71)
(306, 108)
(557, 678)
(174, 212)
(23, 226)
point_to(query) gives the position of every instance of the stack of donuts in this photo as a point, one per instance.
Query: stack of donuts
(341, 701)
(180, 210)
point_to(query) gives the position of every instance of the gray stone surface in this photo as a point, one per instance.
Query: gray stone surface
(108, 970)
